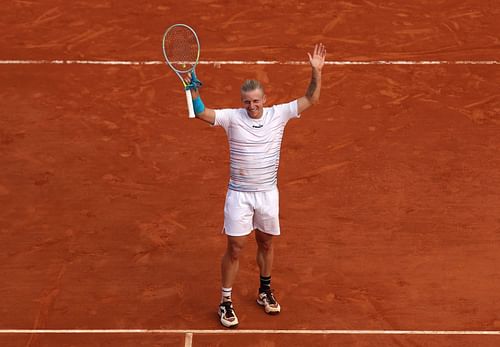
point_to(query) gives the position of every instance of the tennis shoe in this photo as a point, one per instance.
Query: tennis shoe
(227, 315)
(266, 298)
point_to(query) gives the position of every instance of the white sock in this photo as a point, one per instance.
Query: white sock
(226, 294)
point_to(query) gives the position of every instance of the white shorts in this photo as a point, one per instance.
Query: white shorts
(246, 211)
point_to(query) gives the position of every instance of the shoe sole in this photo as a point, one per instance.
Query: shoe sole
(233, 326)
(272, 313)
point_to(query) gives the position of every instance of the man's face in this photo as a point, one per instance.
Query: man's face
(253, 102)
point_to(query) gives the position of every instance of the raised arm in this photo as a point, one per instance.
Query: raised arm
(207, 114)
(317, 60)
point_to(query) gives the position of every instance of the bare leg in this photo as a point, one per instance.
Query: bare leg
(229, 269)
(265, 256)
(230, 260)
(265, 252)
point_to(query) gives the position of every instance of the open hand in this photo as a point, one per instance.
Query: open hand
(317, 59)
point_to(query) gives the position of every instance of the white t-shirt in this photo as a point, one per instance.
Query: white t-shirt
(254, 145)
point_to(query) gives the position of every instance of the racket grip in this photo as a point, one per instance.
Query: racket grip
(189, 100)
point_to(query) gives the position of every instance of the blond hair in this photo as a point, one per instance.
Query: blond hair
(250, 85)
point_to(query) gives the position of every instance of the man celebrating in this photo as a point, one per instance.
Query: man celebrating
(254, 133)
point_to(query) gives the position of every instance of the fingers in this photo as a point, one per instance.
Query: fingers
(317, 48)
(188, 78)
(317, 59)
(320, 50)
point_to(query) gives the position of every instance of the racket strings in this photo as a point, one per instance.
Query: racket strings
(181, 48)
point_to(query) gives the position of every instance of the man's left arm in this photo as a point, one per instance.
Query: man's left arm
(317, 60)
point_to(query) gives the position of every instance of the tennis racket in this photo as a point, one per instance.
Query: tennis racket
(181, 49)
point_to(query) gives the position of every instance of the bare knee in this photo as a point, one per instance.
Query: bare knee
(265, 246)
(234, 250)
(264, 242)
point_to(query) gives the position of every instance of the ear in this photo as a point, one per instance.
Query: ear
(264, 99)
(242, 95)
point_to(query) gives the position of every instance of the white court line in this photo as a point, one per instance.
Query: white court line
(188, 341)
(249, 331)
(253, 62)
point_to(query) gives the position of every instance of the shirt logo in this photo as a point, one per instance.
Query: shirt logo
(257, 126)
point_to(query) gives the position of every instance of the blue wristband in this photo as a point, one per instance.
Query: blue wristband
(198, 105)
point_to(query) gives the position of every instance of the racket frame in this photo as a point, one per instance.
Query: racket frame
(189, 98)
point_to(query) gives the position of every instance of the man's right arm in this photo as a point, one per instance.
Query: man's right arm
(208, 114)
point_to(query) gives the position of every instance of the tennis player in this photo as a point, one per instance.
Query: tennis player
(255, 133)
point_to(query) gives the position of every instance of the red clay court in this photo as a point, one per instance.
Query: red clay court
(112, 199)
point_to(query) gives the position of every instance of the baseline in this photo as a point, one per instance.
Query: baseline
(254, 62)
(250, 331)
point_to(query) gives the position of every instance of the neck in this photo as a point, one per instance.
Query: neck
(259, 116)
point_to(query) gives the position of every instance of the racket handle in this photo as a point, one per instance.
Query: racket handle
(189, 100)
